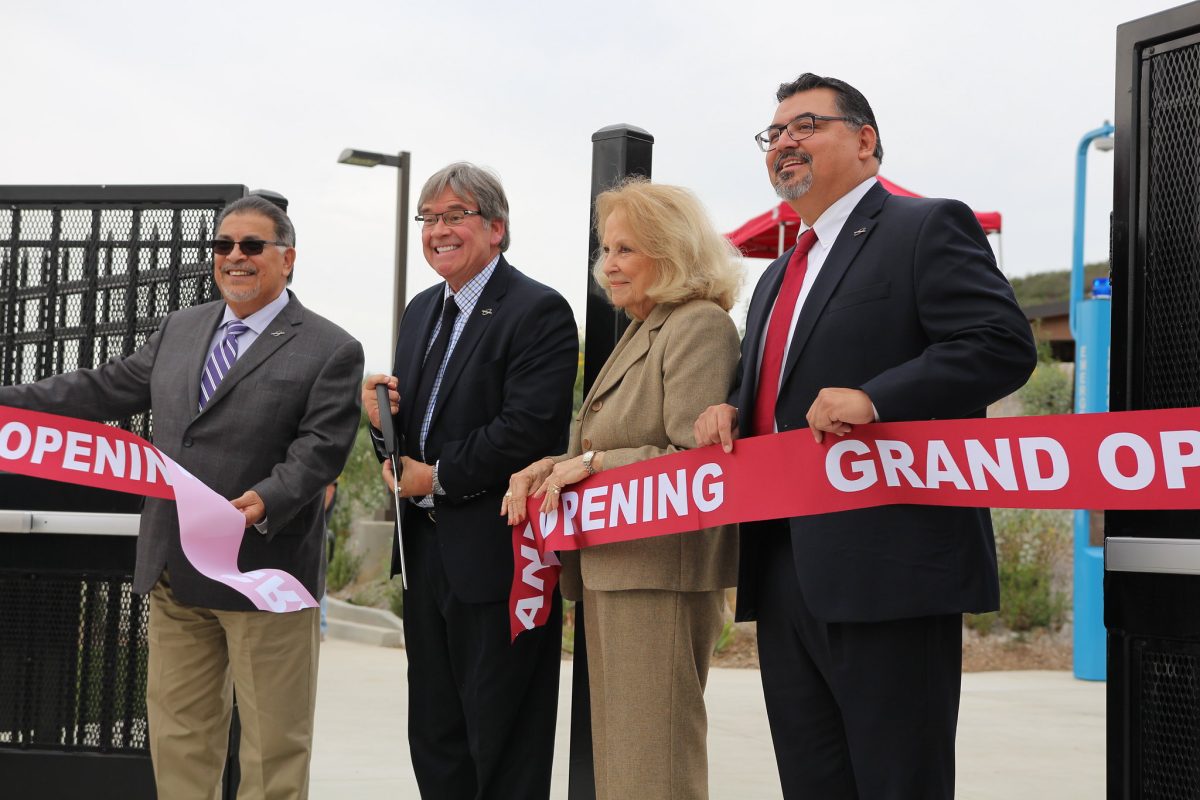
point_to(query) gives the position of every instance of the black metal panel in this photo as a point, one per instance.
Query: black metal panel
(618, 151)
(73, 658)
(50, 775)
(1154, 633)
(86, 275)
(1156, 234)
(1165, 718)
(1153, 706)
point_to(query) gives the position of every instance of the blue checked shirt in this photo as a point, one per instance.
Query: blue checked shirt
(466, 298)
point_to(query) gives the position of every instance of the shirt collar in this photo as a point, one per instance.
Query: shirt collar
(259, 320)
(830, 223)
(466, 297)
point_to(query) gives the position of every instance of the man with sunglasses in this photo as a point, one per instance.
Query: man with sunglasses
(257, 397)
(888, 308)
(482, 385)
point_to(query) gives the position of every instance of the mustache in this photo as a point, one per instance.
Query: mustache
(805, 158)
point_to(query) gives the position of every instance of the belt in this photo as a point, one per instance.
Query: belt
(431, 513)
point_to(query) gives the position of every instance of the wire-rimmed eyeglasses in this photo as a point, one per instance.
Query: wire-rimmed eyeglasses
(456, 217)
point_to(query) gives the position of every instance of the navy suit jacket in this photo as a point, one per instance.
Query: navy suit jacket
(504, 402)
(909, 307)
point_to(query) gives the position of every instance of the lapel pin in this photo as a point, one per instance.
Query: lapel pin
(860, 231)
(277, 333)
(487, 312)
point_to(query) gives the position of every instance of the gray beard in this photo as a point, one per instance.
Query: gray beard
(793, 191)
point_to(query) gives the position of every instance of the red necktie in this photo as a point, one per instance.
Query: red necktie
(777, 332)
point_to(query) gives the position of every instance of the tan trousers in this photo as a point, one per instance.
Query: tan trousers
(648, 652)
(196, 655)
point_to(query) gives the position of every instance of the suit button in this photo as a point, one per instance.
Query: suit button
(187, 441)
(587, 444)
(596, 406)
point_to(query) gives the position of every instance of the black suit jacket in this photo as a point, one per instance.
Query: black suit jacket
(909, 307)
(504, 401)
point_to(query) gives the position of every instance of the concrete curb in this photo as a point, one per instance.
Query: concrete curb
(364, 625)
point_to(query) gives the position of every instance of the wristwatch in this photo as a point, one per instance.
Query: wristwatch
(587, 462)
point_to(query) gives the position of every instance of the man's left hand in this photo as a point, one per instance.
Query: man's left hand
(837, 411)
(251, 506)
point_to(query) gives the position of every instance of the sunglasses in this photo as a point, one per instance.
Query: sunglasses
(250, 247)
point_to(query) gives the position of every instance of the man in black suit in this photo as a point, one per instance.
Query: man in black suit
(889, 308)
(484, 372)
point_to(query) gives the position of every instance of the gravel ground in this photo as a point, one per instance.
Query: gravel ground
(999, 650)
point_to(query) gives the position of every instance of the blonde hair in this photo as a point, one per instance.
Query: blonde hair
(692, 261)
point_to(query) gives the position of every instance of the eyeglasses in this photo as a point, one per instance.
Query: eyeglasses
(799, 129)
(451, 218)
(249, 247)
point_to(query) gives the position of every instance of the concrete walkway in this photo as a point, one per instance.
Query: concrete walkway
(1021, 734)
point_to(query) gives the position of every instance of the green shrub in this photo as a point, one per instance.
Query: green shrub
(343, 567)
(395, 597)
(727, 635)
(360, 488)
(568, 630)
(1032, 549)
(1049, 389)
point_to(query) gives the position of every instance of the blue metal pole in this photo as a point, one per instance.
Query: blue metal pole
(1080, 199)
(1090, 322)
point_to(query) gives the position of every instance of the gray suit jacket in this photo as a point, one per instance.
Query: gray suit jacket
(281, 423)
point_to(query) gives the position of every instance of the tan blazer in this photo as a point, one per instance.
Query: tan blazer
(663, 372)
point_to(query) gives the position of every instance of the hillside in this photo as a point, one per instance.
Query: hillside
(1050, 287)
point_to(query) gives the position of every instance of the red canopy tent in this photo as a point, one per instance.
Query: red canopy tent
(769, 234)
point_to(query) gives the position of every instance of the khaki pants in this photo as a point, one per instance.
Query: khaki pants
(196, 656)
(648, 653)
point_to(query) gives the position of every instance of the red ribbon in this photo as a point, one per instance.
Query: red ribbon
(90, 454)
(1123, 460)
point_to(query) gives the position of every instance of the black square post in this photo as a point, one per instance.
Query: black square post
(618, 151)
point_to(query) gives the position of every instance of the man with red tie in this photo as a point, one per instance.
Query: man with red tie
(888, 308)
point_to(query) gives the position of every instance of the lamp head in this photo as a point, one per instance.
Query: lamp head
(361, 158)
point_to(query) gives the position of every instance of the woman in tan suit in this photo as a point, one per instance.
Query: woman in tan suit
(655, 607)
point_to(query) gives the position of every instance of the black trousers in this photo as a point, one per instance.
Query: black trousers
(481, 711)
(862, 710)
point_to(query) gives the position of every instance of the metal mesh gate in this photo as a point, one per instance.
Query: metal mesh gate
(1171, 288)
(1153, 709)
(86, 274)
(1167, 718)
(85, 282)
(73, 665)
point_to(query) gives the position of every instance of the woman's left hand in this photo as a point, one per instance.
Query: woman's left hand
(564, 474)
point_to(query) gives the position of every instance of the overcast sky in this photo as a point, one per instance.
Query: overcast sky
(982, 102)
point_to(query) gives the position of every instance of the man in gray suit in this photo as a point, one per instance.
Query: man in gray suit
(258, 398)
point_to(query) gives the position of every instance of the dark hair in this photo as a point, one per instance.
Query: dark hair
(253, 204)
(471, 183)
(850, 102)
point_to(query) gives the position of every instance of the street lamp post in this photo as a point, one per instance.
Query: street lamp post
(1091, 322)
(365, 158)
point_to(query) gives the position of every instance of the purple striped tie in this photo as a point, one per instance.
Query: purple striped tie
(220, 361)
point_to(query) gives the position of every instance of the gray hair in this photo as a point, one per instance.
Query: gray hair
(474, 183)
(253, 204)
